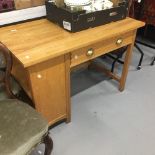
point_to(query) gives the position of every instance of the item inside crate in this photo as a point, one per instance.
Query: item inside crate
(77, 15)
(87, 5)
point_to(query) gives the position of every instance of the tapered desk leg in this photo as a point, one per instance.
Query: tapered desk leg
(125, 68)
(126, 64)
(67, 66)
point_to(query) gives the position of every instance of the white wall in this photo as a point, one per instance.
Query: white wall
(20, 15)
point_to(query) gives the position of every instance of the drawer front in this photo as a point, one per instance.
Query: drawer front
(97, 49)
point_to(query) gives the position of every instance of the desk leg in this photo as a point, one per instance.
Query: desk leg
(126, 64)
(68, 96)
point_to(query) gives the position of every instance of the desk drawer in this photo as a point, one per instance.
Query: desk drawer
(97, 49)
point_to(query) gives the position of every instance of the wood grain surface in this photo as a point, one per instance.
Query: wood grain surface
(40, 40)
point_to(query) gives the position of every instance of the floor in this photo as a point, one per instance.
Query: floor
(106, 121)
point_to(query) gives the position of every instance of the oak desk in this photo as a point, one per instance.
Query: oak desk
(44, 53)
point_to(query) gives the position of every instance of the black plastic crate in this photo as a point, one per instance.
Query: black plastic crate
(77, 21)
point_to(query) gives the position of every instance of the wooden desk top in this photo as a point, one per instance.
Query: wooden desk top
(40, 40)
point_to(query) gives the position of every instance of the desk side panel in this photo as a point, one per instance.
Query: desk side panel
(48, 85)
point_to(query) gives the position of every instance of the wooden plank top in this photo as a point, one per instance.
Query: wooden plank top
(36, 41)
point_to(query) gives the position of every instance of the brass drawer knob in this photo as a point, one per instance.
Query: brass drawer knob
(119, 41)
(90, 52)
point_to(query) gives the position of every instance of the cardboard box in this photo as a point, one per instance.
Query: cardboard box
(38, 2)
(22, 4)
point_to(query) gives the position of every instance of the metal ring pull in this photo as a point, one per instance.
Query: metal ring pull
(90, 52)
